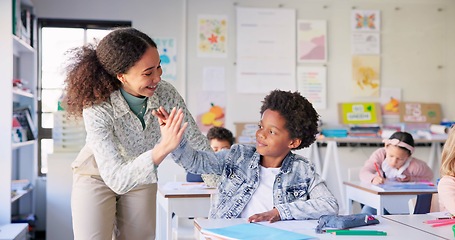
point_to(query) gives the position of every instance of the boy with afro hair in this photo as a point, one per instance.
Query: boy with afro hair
(266, 182)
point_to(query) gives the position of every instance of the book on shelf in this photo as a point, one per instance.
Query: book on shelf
(23, 116)
(23, 21)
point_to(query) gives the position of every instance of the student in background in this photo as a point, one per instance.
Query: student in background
(394, 162)
(220, 138)
(116, 86)
(446, 185)
(266, 182)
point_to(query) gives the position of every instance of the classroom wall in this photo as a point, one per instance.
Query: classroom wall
(417, 50)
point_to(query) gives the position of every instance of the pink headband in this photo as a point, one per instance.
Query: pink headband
(398, 143)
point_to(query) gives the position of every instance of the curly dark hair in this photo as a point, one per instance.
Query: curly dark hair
(92, 69)
(404, 137)
(220, 133)
(301, 118)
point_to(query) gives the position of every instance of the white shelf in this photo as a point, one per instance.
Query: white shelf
(21, 194)
(21, 46)
(22, 144)
(22, 93)
(21, 162)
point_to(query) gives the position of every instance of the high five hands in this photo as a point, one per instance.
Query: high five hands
(172, 131)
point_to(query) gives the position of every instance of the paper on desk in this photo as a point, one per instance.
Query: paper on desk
(394, 185)
(253, 231)
(186, 185)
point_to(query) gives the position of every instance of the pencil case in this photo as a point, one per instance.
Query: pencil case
(345, 221)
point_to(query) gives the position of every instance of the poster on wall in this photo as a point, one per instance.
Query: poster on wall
(359, 113)
(312, 84)
(311, 41)
(390, 102)
(418, 112)
(167, 47)
(211, 110)
(365, 43)
(366, 75)
(366, 20)
(266, 49)
(212, 36)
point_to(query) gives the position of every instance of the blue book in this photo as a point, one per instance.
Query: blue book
(250, 231)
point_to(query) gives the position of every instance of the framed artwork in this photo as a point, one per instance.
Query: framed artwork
(311, 41)
(366, 20)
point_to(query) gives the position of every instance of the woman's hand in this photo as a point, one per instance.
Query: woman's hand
(161, 114)
(172, 132)
(271, 216)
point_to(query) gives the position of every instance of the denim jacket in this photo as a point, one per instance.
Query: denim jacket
(298, 192)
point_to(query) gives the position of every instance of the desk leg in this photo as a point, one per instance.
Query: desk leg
(380, 209)
(332, 151)
(163, 217)
(160, 213)
(349, 203)
(169, 212)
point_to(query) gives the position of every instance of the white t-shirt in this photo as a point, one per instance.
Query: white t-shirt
(262, 199)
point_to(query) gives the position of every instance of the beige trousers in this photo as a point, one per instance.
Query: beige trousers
(100, 214)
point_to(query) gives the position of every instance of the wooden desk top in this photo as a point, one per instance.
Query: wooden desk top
(185, 190)
(379, 191)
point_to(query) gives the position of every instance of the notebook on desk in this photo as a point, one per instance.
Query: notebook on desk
(253, 231)
(407, 185)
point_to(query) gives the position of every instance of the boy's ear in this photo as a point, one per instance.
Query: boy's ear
(295, 143)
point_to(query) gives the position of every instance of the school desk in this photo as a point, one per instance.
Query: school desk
(331, 156)
(394, 229)
(417, 221)
(395, 201)
(184, 199)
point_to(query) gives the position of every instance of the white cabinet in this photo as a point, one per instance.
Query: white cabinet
(16, 231)
(18, 154)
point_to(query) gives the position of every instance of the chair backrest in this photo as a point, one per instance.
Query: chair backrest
(423, 203)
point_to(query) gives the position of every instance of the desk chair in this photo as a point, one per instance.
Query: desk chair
(424, 203)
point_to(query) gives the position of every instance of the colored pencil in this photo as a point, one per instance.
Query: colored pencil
(377, 169)
(444, 223)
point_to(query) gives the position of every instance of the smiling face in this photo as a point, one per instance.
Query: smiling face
(143, 77)
(396, 156)
(273, 141)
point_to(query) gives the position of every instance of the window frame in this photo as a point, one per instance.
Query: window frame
(46, 133)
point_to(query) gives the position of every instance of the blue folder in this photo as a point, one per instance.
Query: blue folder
(250, 231)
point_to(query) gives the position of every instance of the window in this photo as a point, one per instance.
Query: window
(56, 37)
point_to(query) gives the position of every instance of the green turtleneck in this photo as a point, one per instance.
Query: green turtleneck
(137, 104)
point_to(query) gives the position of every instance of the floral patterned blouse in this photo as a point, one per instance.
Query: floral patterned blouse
(119, 149)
